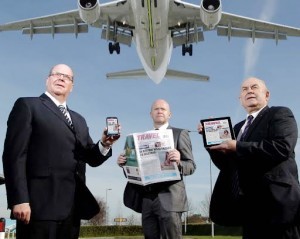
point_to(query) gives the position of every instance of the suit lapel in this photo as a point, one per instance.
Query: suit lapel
(256, 121)
(52, 107)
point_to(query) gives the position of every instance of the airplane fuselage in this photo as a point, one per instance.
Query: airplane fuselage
(155, 26)
(151, 36)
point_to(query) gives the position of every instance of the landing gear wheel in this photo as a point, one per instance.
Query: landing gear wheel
(186, 48)
(190, 49)
(117, 47)
(114, 47)
(111, 48)
(183, 49)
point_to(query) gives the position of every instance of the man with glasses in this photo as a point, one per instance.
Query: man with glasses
(44, 162)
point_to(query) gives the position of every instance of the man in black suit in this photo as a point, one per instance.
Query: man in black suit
(42, 160)
(162, 204)
(257, 187)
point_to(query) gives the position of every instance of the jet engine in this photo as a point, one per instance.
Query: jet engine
(210, 12)
(89, 10)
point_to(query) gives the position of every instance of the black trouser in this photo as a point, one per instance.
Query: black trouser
(65, 229)
(254, 231)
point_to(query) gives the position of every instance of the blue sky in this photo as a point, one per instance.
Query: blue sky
(25, 63)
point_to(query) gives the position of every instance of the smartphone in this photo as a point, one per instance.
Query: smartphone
(112, 126)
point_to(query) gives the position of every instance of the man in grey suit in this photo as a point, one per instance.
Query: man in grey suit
(162, 204)
(44, 162)
(257, 187)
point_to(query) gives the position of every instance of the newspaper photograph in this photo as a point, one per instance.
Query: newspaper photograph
(146, 155)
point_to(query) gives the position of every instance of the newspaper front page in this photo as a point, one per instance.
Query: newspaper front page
(146, 155)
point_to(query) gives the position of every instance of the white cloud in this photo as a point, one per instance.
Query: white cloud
(252, 50)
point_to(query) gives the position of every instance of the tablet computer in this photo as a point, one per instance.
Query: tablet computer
(216, 130)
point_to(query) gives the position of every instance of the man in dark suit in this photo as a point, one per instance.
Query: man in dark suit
(257, 187)
(42, 159)
(162, 204)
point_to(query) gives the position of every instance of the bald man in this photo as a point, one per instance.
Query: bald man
(257, 187)
(44, 159)
(162, 204)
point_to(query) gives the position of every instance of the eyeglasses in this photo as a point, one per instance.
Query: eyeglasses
(63, 76)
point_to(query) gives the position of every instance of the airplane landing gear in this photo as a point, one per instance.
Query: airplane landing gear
(114, 47)
(186, 48)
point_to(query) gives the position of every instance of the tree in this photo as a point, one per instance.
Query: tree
(190, 209)
(100, 218)
(132, 220)
(205, 204)
(195, 219)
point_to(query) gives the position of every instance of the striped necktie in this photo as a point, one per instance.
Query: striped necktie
(65, 113)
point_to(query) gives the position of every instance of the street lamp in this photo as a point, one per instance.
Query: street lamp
(106, 211)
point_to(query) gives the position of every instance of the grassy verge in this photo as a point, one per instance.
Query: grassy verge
(184, 237)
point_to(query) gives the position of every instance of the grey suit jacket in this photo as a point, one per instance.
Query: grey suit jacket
(172, 195)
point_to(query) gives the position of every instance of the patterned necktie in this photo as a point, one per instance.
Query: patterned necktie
(64, 111)
(235, 182)
(249, 121)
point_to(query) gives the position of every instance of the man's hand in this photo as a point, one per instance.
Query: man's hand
(22, 212)
(109, 140)
(200, 128)
(121, 160)
(174, 156)
(225, 147)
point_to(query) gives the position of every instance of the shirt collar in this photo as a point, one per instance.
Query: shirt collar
(256, 113)
(55, 101)
(164, 126)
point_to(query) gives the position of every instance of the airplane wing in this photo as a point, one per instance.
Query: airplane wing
(171, 74)
(74, 22)
(67, 22)
(188, 22)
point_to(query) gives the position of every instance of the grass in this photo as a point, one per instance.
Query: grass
(210, 237)
(184, 237)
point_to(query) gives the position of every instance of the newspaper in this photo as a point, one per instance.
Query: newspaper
(146, 155)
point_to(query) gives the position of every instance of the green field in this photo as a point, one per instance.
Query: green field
(184, 237)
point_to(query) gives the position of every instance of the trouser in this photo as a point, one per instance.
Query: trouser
(64, 229)
(255, 231)
(158, 223)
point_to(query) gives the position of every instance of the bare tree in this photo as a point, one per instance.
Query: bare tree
(100, 218)
(191, 208)
(204, 206)
(131, 220)
(190, 211)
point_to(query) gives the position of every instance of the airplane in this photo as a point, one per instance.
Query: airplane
(155, 27)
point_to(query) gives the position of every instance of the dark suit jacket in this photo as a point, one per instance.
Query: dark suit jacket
(267, 170)
(172, 195)
(41, 156)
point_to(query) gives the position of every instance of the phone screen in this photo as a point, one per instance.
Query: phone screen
(112, 126)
